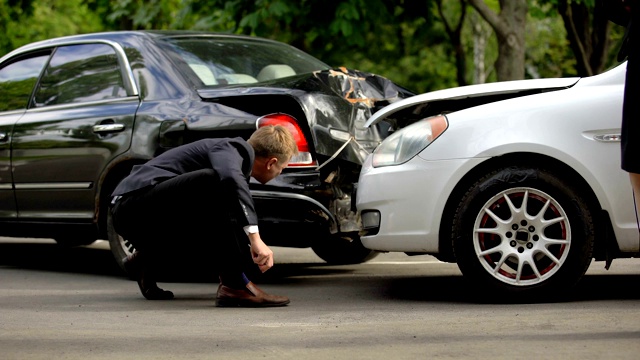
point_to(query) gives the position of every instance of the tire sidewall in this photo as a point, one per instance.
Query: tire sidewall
(117, 243)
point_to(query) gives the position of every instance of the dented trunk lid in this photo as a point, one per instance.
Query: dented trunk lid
(335, 104)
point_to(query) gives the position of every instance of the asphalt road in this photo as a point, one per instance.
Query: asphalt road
(60, 303)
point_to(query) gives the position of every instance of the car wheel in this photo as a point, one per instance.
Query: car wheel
(120, 247)
(344, 250)
(523, 231)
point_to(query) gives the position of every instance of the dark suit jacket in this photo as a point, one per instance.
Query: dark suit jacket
(231, 159)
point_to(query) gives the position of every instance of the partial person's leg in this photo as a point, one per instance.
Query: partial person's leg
(139, 265)
(236, 289)
(232, 255)
(635, 184)
(207, 222)
(193, 213)
(163, 221)
(630, 129)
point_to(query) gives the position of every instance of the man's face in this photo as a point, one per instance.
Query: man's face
(266, 169)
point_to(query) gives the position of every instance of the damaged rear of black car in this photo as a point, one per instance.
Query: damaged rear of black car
(172, 88)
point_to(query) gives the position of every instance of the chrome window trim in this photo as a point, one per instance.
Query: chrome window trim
(126, 71)
(81, 104)
(48, 186)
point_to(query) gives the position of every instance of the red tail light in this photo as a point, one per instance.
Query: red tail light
(304, 156)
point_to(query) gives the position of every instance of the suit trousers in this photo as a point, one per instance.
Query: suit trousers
(630, 131)
(185, 217)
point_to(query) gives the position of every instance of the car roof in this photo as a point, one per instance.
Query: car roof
(121, 36)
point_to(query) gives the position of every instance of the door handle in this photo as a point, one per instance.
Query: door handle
(108, 128)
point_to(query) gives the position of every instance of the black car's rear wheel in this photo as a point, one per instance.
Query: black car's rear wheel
(120, 247)
(525, 231)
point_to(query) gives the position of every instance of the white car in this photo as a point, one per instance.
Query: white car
(517, 182)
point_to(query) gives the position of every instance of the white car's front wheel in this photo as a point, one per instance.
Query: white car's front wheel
(523, 230)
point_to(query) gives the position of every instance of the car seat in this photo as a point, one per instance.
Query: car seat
(275, 71)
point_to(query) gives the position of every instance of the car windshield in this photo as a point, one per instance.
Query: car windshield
(222, 61)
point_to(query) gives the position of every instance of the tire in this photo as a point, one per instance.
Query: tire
(342, 250)
(523, 231)
(119, 246)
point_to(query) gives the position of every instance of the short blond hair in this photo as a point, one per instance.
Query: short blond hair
(274, 141)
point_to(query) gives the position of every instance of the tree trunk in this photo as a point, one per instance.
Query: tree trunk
(455, 35)
(481, 33)
(589, 39)
(509, 27)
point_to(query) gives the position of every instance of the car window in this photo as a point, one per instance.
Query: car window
(80, 73)
(224, 61)
(17, 80)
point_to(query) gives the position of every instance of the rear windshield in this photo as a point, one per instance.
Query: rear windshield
(222, 61)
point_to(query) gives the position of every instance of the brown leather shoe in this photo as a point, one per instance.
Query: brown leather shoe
(252, 296)
(148, 287)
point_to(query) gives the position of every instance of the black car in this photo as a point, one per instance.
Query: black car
(77, 112)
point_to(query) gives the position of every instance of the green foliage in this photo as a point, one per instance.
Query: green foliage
(12, 92)
(138, 14)
(403, 40)
(548, 53)
(554, 3)
(364, 35)
(46, 19)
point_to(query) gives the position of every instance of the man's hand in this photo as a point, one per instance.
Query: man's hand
(260, 252)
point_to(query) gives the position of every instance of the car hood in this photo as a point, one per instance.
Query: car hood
(473, 95)
(335, 102)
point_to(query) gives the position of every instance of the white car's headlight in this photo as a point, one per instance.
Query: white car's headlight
(407, 142)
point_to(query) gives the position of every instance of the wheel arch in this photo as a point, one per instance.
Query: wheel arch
(110, 180)
(605, 242)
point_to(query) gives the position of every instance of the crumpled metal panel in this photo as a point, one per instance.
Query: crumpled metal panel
(362, 94)
(359, 87)
(335, 102)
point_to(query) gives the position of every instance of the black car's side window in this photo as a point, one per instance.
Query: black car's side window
(17, 81)
(80, 73)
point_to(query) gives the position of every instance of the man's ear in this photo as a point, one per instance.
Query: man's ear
(271, 162)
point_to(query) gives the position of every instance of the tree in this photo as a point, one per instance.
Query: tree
(480, 33)
(455, 36)
(509, 27)
(422, 44)
(548, 53)
(398, 39)
(10, 13)
(45, 19)
(588, 34)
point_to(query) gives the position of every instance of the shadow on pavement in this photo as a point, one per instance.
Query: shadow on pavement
(49, 256)
(435, 288)
(53, 257)
(457, 289)
(602, 287)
